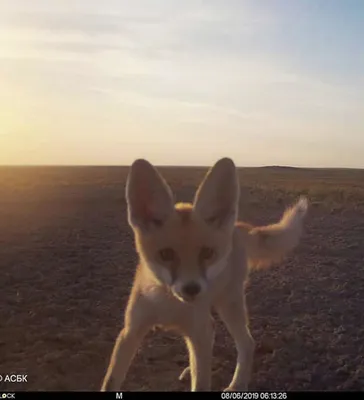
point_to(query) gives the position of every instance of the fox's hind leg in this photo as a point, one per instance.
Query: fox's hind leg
(185, 374)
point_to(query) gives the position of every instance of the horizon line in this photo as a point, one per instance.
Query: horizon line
(167, 166)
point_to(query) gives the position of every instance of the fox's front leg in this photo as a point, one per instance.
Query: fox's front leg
(200, 341)
(232, 311)
(186, 373)
(127, 344)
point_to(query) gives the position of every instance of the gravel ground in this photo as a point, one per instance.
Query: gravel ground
(67, 262)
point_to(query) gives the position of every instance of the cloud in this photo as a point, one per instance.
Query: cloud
(191, 68)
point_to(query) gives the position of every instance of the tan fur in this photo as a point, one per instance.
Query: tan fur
(202, 245)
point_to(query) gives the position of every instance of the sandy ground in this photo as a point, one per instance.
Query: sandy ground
(67, 262)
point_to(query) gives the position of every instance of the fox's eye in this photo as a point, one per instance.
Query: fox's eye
(206, 253)
(167, 254)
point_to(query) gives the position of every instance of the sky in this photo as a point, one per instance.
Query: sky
(265, 82)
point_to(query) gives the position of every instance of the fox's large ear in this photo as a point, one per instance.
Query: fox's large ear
(149, 198)
(217, 197)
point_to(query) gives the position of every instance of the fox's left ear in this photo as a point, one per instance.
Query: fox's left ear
(217, 197)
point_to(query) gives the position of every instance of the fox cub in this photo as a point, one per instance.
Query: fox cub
(195, 258)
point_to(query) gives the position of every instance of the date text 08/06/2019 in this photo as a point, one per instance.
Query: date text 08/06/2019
(254, 395)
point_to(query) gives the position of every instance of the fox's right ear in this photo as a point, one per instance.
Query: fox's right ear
(149, 198)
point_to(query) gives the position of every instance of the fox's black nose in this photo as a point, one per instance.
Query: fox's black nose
(191, 289)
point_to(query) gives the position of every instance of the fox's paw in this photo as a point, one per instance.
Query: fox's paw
(109, 385)
(185, 373)
(302, 205)
(236, 388)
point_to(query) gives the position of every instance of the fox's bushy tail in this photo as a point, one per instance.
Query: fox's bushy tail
(266, 245)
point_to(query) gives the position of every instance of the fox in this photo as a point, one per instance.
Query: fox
(195, 258)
